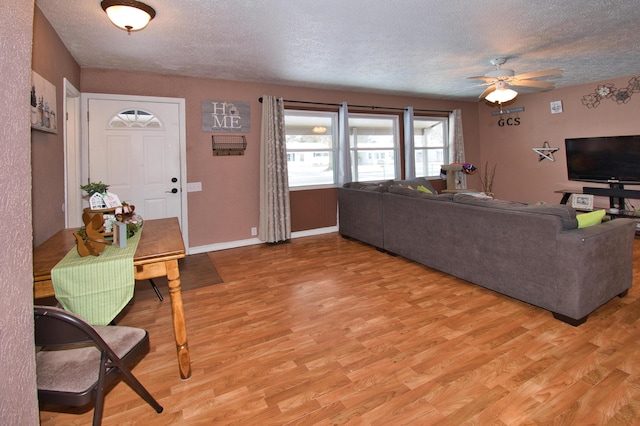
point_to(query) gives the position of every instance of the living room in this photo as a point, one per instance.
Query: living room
(520, 176)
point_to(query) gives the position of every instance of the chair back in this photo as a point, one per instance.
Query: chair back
(57, 327)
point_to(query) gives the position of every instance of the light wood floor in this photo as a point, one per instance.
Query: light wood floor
(330, 331)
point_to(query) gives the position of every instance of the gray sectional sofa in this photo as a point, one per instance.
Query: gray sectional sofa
(533, 253)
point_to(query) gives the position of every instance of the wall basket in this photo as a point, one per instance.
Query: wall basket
(228, 144)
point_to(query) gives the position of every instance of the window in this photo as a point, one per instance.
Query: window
(374, 146)
(134, 118)
(431, 145)
(311, 147)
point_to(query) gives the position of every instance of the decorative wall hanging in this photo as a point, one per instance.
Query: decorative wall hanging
(508, 111)
(609, 91)
(556, 107)
(510, 121)
(226, 116)
(546, 152)
(43, 104)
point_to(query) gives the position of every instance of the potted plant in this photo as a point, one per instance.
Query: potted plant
(95, 188)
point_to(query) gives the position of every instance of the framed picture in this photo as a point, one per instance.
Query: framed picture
(582, 201)
(44, 108)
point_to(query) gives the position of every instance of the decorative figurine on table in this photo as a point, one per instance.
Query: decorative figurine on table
(126, 214)
(91, 241)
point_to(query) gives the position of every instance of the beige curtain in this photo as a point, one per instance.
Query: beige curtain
(275, 216)
(456, 146)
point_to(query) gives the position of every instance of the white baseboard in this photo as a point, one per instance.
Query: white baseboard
(254, 241)
(311, 232)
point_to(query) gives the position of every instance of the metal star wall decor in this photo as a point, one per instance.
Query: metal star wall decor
(546, 152)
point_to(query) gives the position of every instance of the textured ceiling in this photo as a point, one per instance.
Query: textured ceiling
(416, 47)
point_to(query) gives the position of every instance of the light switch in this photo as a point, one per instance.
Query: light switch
(194, 186)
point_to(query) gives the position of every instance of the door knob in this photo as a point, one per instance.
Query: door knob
(174, 180)
(173, 191)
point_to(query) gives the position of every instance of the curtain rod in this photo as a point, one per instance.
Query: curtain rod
(361, 106)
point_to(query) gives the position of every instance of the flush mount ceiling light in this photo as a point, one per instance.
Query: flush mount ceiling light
(501, 94)
(319, 129)
(130, 15)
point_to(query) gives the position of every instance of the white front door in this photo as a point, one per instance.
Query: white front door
(134, 146)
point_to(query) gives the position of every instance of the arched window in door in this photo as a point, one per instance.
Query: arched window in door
(135, 118)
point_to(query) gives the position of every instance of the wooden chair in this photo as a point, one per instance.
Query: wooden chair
(77, 362)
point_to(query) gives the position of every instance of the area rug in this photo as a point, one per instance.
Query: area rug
(196, 271)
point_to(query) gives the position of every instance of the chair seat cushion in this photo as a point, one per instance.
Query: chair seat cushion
(75, 369)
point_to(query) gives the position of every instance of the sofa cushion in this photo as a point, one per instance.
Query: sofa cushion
(403, 190)
(589, 219)
(566, 213)
(369, 186)
(463, 198)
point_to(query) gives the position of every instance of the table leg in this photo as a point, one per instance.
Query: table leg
(179, 325)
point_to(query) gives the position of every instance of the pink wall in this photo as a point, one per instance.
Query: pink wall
(228, 205)
(519, 174)
(51, 60)
(18, 398)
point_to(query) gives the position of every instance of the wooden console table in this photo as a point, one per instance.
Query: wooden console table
(157, 255)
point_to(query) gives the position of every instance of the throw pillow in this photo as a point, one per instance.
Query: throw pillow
(590, 219)
(418, 181)
(424, 189)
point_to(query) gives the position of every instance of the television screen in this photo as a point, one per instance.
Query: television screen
(604, 159)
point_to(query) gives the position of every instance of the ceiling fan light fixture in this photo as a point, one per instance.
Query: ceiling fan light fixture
(130, 15)
(502, 94)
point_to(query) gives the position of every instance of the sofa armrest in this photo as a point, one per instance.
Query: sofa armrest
(596, 264)
(360, 215)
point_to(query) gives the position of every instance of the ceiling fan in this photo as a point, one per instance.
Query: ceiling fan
(500, 80)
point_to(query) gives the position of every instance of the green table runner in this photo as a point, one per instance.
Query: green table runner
(96, 288)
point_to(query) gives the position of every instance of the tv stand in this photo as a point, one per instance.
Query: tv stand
(616, 193)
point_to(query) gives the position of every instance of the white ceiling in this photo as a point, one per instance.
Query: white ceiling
(416, 47)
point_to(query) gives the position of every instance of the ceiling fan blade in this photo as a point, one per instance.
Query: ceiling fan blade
(536, 74)
(532, 83)
(484, 83)
(485, 78)
(487, 91)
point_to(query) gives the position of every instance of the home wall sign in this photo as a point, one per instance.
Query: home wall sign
(609, 91)
(225, 116)
(43, 104)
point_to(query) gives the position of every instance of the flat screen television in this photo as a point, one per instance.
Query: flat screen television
(611, 159)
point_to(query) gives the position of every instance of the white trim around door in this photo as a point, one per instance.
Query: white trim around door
(71, 132)
(84, 160)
